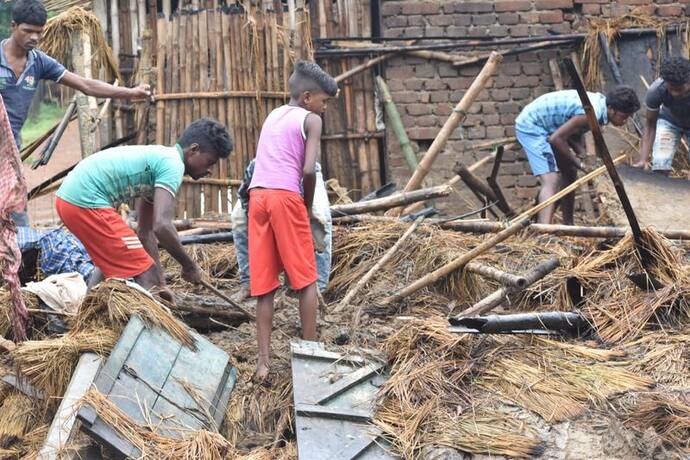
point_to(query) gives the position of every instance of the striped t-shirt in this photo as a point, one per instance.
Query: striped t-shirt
(550, 111)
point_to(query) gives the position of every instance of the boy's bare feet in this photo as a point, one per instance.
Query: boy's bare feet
(242, 294)
(261, 374)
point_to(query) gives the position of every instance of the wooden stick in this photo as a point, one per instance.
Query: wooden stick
(476, 184)
(210, 311)
(389, 202)
(145, 75)
(234, 304)
(354, 290)
(603, 152)
(362, 67)
(397, 124)
(161, 56)
(582, 180)
(457, 263)
(458, 115)
(499, 296)
(494, 273)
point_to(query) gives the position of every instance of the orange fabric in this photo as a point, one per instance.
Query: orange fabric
(111, 244)
(279, 239)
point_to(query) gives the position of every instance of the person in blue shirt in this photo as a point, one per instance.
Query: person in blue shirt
(22, 67)
(550, 131)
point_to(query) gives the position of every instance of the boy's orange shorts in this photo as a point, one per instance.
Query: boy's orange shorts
(279, 239)
(113, 247)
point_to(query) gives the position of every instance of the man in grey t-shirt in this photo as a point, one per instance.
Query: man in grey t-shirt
(668, 115)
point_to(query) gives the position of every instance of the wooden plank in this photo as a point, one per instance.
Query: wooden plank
(315, 410)
(349, 381)
(61, 428)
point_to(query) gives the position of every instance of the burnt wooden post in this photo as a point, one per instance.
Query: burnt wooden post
(603, 152)
(493, 183)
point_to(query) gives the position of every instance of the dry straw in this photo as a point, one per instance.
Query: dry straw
(667, 415)
(49, 364)
(59, 35)
(112, 303)
(30, 300)
(19, 413)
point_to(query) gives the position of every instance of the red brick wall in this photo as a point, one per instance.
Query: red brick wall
(425, 91)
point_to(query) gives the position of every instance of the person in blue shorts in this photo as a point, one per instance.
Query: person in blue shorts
(550, 130)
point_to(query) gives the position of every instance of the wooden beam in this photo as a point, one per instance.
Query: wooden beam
(392, 201)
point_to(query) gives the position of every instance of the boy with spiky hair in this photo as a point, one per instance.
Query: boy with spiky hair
(88, 198)
(668, 115)
(279, 233)
(550, 131)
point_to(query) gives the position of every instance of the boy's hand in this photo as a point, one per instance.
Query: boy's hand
(166, 294)
(192, 274)
(142, 91)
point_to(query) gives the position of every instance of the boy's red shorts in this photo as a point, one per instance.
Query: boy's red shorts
(279, 238)
(113, 247)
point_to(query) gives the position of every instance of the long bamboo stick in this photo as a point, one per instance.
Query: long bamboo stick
(457, 263)
(161, 56)
(389, 202)
(354, 290)
(458, 115)
(499, 296)
(494, 273)
(582, 180)
(397, 124)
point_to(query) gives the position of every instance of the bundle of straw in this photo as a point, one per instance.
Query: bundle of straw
(19, 413)
(199, 445)
(668, 416)
(49, 364)
(28, 447)
(591, 49)
(218, 260)
(665, 356)
(30, 300)
(112, 303)
(60, 31)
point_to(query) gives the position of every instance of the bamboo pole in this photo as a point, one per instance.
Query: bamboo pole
(458, 115)
(475, 184)
(81, 45)
(603, 152)
(133, 26)
(354, 290)
(145, 75)
(494, 273)
(457, 263)
(570, 188)
(115, 31)
(499, 296)
(397, 124)
(362, 67)
(399, 199)
(161, 55)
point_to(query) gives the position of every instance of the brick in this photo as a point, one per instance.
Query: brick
(553, 4)
(508, 18)
(495, 132)
(510, 130)
(425, 71)
(434, 31)
(422, 132)
(483, 19)
(395, 21)
(519, 94)
(508, 118)
(562, 28)
(412, 8)
(498, 31)
(413, 32)
(415, 20)
(479, 31)
(395, 85)
(439, 96)
(446, 70)
(397, 32)
(434, 84)
(424, 97)
(473, 7)
(511, 5)
(531, 17)
(478, 132)
(551, 17)
(491, 119)
(532, 68)
(520, 30)
(443, 110)
(414, 84)
(459, 83)
(417, 109)
(426, 120)
(406, 97)
(461, 19)
(512, 169)
(500, 95)
(442, 20)
(511, 70)
(508, 107)
(489, 107)
(456, 31)
(635, 2)
(429, 8)
(401, 72)
(503, 82)
(391, 8)
(669, 10)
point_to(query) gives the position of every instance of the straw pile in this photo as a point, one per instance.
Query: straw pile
(591, 49)
(60, 32)
(667, 415)
(436, 373)
(18, 415)
(30, 300)
(112, 303)
(663, 355)
(218, 260)
(49, 364)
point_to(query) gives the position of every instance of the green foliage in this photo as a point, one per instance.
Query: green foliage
(35, 127)
(5, 18)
